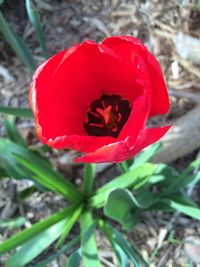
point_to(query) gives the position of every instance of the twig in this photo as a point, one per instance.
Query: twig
(190, 67)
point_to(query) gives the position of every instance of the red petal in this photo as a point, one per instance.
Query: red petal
(147, 137)
(112, 75)
(160, 100)
(137, 119)
(115, 152)
(128, 48)
(64, 86)
(123, 150)
(64, 89)
(80, 143)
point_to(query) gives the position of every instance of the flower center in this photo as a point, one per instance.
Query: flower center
(107, 115)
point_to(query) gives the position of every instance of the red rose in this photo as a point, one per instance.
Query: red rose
(96, 98)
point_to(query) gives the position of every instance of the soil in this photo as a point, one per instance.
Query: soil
(65, 23)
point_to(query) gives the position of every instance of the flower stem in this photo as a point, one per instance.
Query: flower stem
(88, 178)
(124, 167)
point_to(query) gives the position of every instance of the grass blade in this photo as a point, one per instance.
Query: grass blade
(74, 259)
(129, 250)
(28, 233)
(36, 245)
(48, 178)
(71, 221)
(36, 168)
(17, 44)
(12, 131)
(18, 112)
(187, 210)
(35, 20)
(64, 249)
(120, 255)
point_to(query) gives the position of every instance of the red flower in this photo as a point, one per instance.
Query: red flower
(96, 98)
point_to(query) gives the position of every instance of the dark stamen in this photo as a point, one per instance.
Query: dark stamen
(107, 116)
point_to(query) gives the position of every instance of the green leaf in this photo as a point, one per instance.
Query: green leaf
(120, 255)
(36, 245)
(70, 222)
(3, 172)
(64, 248)
(129, 250)
(18, 112)
(163, 175)
(132, 178)
(12, 167)
(28, 233)
(119, 252)
(26, 192)
(88, 243)
(190, 181)
(145, 155)
(74, 259)
(22, 163)
(182, 198)
(35, 20)
(121, 207)
(143, 198)
(191, 167)
(12, 223)
(185, 209)
(182, 180)
(50, 179)
(17, 44)
(12, 131)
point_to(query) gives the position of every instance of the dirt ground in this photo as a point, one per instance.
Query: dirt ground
(160, 25)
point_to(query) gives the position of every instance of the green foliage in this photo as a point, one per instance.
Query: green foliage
(122, 258)
(127, 250)
(12, 131)
(70, 222)
(35, 21)
(141, 187)
(36, 245)
(88, 243)
(12, 223)
(23, 163)
(17, 44)
(23, 236)
(18, 112)
(74, 259)
(132, 178)
(89, 175)
(145, 155)
(120, 207)
(65, 248)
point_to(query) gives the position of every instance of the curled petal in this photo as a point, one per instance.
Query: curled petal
(126, 149)
(80, 143)
(128, 48)
(115, 152)
(137, 118)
